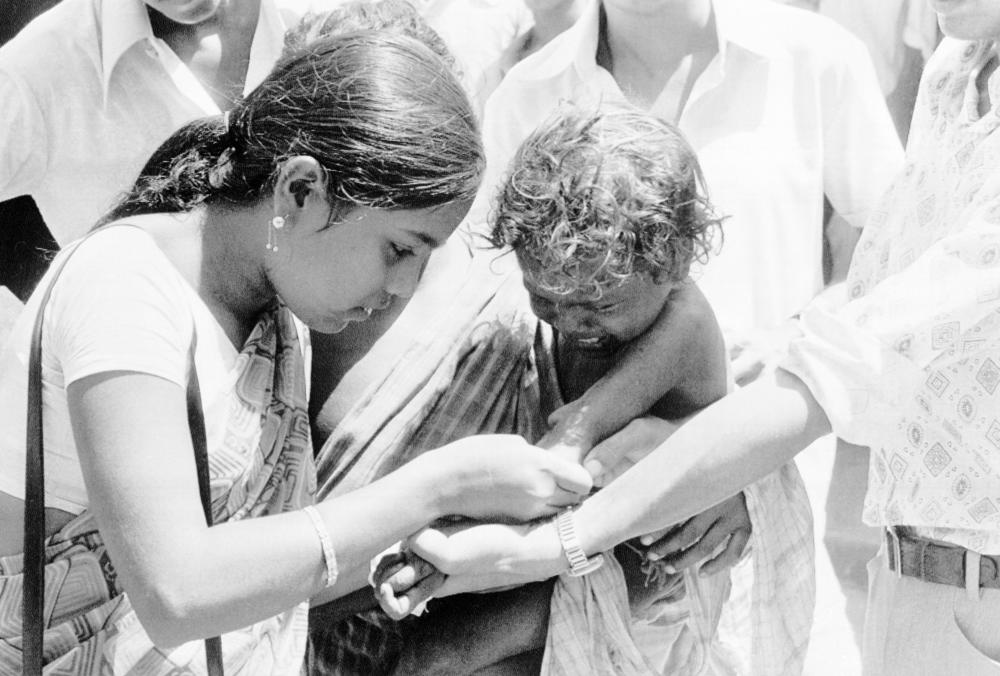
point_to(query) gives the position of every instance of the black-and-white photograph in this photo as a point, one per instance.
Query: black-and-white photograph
(499, 338)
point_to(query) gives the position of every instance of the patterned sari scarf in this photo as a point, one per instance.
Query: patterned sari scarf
(264, 466)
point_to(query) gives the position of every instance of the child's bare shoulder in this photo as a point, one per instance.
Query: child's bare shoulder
(689, 327)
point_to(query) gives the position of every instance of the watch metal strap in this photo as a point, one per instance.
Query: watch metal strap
(579, 564)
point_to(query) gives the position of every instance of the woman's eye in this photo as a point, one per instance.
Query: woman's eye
(607, 309)
(400, 251)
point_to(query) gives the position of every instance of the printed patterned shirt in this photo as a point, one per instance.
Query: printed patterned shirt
(910, 366)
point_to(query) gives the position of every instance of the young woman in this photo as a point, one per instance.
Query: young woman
(319, 197)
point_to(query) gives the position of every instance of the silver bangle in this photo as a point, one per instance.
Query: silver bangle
(329, 557)
(579, 564)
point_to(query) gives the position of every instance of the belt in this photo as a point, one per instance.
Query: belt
(933, 561)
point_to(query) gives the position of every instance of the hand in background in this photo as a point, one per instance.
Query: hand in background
(717, 537)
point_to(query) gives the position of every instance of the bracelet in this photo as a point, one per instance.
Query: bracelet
(579, 564)
(324, 539)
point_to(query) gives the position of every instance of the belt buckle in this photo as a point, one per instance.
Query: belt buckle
(897, 550)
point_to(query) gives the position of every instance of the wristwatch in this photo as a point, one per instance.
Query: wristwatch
(579, 564)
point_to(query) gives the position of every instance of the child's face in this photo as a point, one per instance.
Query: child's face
(619, 316)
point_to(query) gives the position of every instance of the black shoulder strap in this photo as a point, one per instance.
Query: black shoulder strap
(33, 608)
(196, 423)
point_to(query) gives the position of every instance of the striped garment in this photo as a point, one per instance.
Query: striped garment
(483, 364)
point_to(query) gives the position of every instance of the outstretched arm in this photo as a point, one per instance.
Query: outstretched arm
(189, 581)
(726, 447)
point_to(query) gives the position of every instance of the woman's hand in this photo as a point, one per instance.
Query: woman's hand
(501, 477)
(475, 558)
(701, 537)
(402, 581)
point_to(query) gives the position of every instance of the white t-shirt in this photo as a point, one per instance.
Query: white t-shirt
(119, 305)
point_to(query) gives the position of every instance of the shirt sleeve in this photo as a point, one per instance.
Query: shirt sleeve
(121, 306)
(923, 343)
(862, 152)
(23, 138)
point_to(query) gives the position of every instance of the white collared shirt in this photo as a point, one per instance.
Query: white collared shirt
(87, 92)
(788, 111)
(483, 36)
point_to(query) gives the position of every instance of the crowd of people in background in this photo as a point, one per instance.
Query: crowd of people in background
(513, 311)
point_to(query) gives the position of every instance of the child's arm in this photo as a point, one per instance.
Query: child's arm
(658, 363)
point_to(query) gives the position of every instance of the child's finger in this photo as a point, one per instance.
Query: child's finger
(705, 547)
(730, 556)
(650, 539)
(683, 538)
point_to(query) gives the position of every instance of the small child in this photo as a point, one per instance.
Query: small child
(605, 213)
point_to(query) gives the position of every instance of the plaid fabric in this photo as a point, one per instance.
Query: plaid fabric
(469, 371)
(367, 644)
(589, 627)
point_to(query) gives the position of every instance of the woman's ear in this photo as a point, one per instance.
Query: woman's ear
(301, 186)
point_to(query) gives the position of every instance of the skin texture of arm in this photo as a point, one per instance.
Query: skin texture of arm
(676, 387)
(188, 581)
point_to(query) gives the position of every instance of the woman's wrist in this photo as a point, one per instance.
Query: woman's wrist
(545, 543)
(433, 480)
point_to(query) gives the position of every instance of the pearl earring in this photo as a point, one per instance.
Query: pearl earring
(277, 223)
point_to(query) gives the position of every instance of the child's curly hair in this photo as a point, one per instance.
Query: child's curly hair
(596, 197)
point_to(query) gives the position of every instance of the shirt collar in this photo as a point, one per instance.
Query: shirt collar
(577, 47)
(123, 23)
(268, 41)
(126, 22)
(737, 23)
